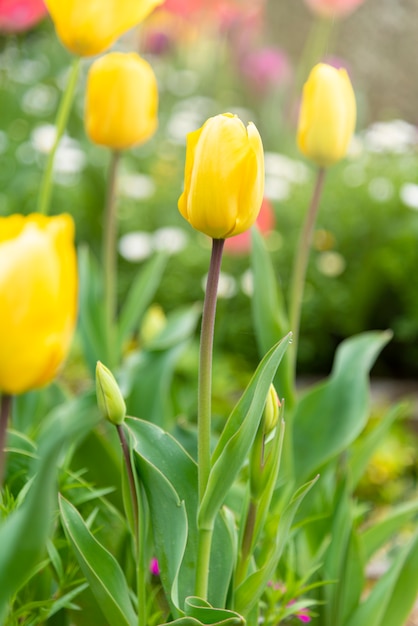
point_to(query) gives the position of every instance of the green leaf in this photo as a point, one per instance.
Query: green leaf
(268, 310)
(391, 599)
(366, 447)
(199, 612)
(92, 325)
(250, 591)
(329, 417)
(375, 536)
(26, 530)
(169, 476)
(100, 568)
(238, 435)
(140, 295)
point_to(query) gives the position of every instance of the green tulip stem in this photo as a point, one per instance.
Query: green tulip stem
(109, 257)
(205, 407)
(5, 411)
(247, 542)
(297, 283)
(44, 198)
(139, 539)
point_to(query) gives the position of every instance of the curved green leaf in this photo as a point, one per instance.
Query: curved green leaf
(169, 476)
(332, 414)
(100, 568)
(199, 612)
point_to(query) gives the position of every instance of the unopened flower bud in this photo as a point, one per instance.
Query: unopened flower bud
(109, 397)
(271, 410)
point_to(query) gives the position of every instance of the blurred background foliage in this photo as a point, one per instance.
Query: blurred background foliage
(362, 272)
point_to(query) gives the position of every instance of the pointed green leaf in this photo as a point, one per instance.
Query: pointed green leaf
(100, 568)
(238, 435)
(26, 530)
(332, 414)
(375, 536)
(198, 612)
(366, 447)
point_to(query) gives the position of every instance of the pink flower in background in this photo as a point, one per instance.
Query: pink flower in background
(225, 13)
(241, 244)
(265, 68)
(333, 8)
(19, 15)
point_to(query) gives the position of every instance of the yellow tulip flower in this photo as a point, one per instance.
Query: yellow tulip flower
(121, 101)
(38, 298)
(224, 177)
(89, 27)
(327, 115)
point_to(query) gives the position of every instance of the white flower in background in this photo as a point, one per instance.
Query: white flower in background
(39, 100)
(69, 158)
(188, 115)
(381, 189)
(281, 173)
(30, 71)
(247, 283)
(170, 239)
(409, 195)
(396, 136)
(227, 286)
(136, 186)
(136, 246)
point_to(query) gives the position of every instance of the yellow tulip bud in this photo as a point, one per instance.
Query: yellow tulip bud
(89, 27)
(38, 298)
(121, 101)
(327, 115)
(224, 177)
(109, 397)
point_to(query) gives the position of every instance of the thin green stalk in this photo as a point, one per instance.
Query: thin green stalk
(317, 45)
(299, 269)
(109, 259)
(205, 366)
(205, 408)
(5, 410)
(60, 125)
(138, 530)
(247, 542)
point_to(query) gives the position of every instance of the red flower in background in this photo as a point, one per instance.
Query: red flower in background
(223, 12)
(241, 244)
(19, 15)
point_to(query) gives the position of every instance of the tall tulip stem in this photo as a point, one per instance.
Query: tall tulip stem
(109, 257)
(299, 269)
(5, 410)
(44, 198)
(205, 406)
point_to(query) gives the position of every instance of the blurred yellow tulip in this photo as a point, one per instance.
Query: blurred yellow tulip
(89, 27)
(38, 298)
(121, 101)
(224, 177)
(327, 115)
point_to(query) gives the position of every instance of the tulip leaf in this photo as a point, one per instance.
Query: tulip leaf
(199, 612)
(392, 597)
(377, 535)
(330, 416)
(91, 319)
(26, 530)
(238, 435)
(365, 448)
(140, 295)
(248, 594)
(169, 476)
(146, 377)
(100, 568)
